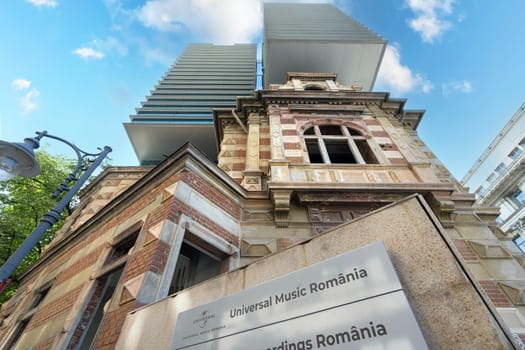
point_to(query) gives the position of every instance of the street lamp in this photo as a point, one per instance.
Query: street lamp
(18, 159)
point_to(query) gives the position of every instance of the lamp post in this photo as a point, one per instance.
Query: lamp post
(18, 159)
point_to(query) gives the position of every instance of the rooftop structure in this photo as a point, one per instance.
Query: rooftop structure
(319, 38)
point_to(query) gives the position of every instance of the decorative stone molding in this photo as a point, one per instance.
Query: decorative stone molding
(281, 201)
(252, 180)
(131, 289)
(443, 207)
(489, 249)
(258, 247)
(514, 290)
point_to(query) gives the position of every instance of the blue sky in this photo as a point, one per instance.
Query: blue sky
(79, 68)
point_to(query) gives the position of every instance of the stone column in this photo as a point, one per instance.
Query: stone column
(252, 174)
(278, 164)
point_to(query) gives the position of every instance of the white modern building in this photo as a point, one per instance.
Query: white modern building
(498, 176)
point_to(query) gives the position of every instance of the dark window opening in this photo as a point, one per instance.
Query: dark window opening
(313, 151)
(313, 87)
(106, 282)
(309, 131)
(40, 294)
(366, 152)
(20, 328)
(122, 248)
(339, 152)
(331, 130)
(106, 285)
(354, 132)
(194, 265)
(337, 144)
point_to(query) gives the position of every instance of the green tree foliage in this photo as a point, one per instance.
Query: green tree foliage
(23, 202)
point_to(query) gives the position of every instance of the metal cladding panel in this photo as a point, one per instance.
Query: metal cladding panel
(313, 22)
(319, 38)
(203, 70)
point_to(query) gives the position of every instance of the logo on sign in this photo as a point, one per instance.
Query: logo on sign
(203, 320)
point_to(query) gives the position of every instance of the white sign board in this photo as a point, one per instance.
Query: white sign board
(354, 300)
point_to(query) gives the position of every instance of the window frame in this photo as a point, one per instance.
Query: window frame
(191, 231)
(324, 141)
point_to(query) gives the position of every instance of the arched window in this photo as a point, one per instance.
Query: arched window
(339, 144)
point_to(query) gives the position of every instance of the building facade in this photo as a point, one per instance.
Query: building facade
(298, 164)
(497, 178)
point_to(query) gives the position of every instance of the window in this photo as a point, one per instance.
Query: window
(520, 242)
(194, 265)
(519, 198)
(522, 142)
(491, 178)
(515, 153)
(500, 168)
(337, 144)
(106, 282)
(40, 294)
(480, 191)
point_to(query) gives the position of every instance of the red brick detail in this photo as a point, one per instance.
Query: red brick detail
(111, 326)
(44, 344)
(57, 307)
(238, 166)
(239, 153)
(82, 263)
(213, 194)
(160, 213)
(292, 145)
(264, 129)
(264, 141)
(241, 141)
(380, 134)
(265, 154)
(152, 257)
(371, 122)
(296, 160)
(203, 220)
(495, 294)
(289, 132)
(87, 314)
(465, 250)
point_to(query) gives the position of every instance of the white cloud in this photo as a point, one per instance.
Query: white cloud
(110, 44)
(397, 78)
(21, 84)
(463, 86)
(221, 22)
(429, 21)
(42, 3)
(87, 52)
(28, 101)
